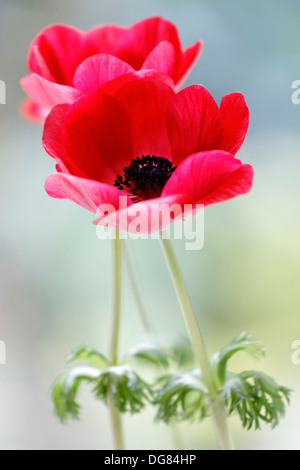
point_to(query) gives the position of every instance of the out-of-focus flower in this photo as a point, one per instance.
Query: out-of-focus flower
(138, 141)
(67, 63)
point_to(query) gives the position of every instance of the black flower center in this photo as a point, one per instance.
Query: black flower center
(145, 177)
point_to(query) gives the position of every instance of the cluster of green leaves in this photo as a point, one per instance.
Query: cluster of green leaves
(65, 390)
(253, 395)
(126, 388)
(129, 392)
(256, 397)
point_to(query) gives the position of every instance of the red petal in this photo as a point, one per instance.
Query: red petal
(87, 193)
(239, 182)
(52, 135)
(162, 58)
(194, 122)
(96, 137)
(140, 39)
(48, 94)
(235, 114)
(210, 177)
(157, 75)
(104, 38)
(189, 57)
(61, 48)
(113, 86)
(37, 64)
(98, 69)
(146, 102)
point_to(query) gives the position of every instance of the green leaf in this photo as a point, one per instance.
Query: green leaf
(89, 355)
(256, 397)
(182, 396)
(242, 342)
(181, 351)
(150, 353)
(65, 390)
(174, 350)
(129, 392)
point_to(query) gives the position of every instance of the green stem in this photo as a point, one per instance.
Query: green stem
(219, 416)
(217, 403)
(134, 279)
(114, 412)
(177, 437)
(117, 425)
(116, 300)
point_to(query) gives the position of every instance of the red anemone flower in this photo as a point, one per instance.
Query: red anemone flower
(134, 144)
(66, 62)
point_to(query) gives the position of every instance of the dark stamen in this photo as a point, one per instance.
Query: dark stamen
(145, 177)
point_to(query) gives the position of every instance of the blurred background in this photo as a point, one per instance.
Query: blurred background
(55, 274)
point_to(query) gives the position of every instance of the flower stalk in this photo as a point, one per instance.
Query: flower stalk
(217, 403)
(136, 287)
(114, 412)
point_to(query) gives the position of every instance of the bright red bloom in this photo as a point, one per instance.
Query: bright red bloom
(140, 140)
(67, 63)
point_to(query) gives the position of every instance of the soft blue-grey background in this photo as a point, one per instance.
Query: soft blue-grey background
(55, 275)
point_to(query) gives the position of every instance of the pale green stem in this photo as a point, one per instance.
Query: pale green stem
(115, 413)
(116, 300)
(134, 279)
(177, 436)
(116, 420)
(217, 403)
(220, 421)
